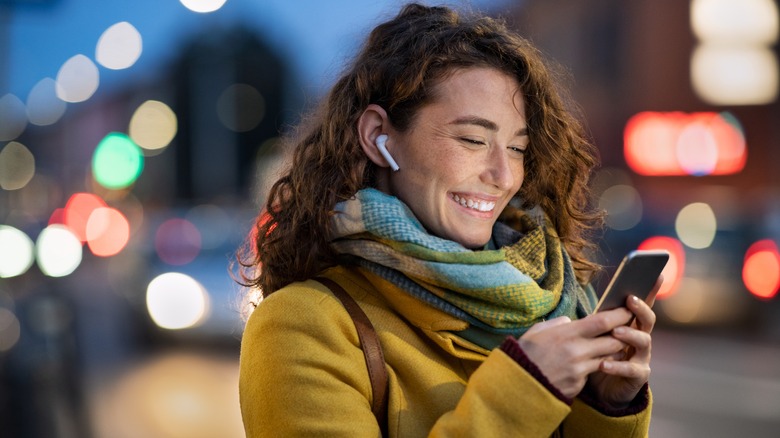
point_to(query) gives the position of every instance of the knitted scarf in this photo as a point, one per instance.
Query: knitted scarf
(527, 278)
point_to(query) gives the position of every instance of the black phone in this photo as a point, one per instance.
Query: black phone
(636, 275)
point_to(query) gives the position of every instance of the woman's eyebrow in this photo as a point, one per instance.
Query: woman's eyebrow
(485, 123)
(474, 120)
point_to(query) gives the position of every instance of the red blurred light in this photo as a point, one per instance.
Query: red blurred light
(108, 232)
(57, 217)
(77, 211)
(679, 143)
(761, 269)
(675, 267)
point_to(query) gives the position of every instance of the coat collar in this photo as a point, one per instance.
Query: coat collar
(439, 326)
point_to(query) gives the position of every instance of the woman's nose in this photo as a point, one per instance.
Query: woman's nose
(500, 170)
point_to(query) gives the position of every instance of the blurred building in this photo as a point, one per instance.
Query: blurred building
(625, 59)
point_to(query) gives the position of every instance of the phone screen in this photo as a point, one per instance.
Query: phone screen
(636, 275)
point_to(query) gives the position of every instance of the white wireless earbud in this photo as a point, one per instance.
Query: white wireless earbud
(380, 144)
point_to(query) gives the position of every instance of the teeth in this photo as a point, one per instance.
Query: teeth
(474, 204)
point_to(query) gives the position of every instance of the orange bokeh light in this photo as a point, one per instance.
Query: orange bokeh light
(77, 211)
(108, 232)
(761, 269)
(678, 143)
(675, 267)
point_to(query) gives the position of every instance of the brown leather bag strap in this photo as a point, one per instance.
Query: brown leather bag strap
(372, 350)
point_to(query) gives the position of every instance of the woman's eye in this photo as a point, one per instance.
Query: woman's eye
(472, 141)
(516, 150)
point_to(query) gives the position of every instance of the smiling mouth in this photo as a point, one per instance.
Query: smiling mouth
(474, 204)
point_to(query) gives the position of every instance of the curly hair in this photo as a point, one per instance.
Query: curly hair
(398, 68)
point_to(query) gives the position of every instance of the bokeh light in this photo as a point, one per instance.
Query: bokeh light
(16, 252)
(43, 106)
(153, 125)
(241, 107)
(660, 144)
(176, 301)
(761, 269)
(76, 213)
(119, 47)
(734, 63)
(172, 395)
(203, 6)
(730, 22)
(57, 217)
(623, 205)
(13, 117)
(697, 151)
(77, 79)
(729, 75)
(675, 267)
(10, 329)
(696, 225)
(117, 161)
(686, 308)
(177, 241)
(108, 232)
(17, 166)
(58, 251)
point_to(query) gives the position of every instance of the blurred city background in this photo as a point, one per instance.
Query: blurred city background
(137, 140)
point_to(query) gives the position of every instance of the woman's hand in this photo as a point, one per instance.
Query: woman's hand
(568, 351)
(622, 376)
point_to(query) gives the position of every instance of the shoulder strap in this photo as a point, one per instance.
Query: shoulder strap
(372, 350)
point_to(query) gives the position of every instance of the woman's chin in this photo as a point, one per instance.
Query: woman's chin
(473, 242)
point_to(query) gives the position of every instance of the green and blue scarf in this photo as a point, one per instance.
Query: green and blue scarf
(523, 276)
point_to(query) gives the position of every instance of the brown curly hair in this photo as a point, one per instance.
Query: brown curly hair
(397, 69)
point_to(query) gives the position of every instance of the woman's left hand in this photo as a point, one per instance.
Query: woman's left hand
(619, 380)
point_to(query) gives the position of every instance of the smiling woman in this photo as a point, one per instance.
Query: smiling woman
(462, 158)
(443, 186)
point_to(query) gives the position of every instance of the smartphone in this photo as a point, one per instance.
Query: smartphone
(636, 275)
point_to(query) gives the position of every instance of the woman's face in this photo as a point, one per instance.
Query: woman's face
(461, 161)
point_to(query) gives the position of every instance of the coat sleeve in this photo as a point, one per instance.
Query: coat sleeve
(502, 399)
(586, 421)
(506, 400)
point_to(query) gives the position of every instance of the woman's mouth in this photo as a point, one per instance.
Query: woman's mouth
(474, 204)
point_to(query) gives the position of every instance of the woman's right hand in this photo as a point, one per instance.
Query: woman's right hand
(568, 351)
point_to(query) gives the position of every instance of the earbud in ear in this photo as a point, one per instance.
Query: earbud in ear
(380, 144)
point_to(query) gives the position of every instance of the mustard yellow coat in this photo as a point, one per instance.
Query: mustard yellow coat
(302, 373)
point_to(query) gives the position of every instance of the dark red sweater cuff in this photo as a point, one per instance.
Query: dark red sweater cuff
(513, 350)
(637, 405)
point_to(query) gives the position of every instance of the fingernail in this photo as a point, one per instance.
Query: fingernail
(606, 365)
(634, 299)
(619, 330)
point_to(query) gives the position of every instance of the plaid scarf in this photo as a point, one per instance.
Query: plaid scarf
(503, 291)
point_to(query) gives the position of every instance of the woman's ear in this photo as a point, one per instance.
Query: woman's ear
(372, 124)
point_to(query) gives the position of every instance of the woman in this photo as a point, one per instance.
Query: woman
(469, 260)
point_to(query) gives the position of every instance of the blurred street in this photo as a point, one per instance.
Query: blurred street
(704, 386)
